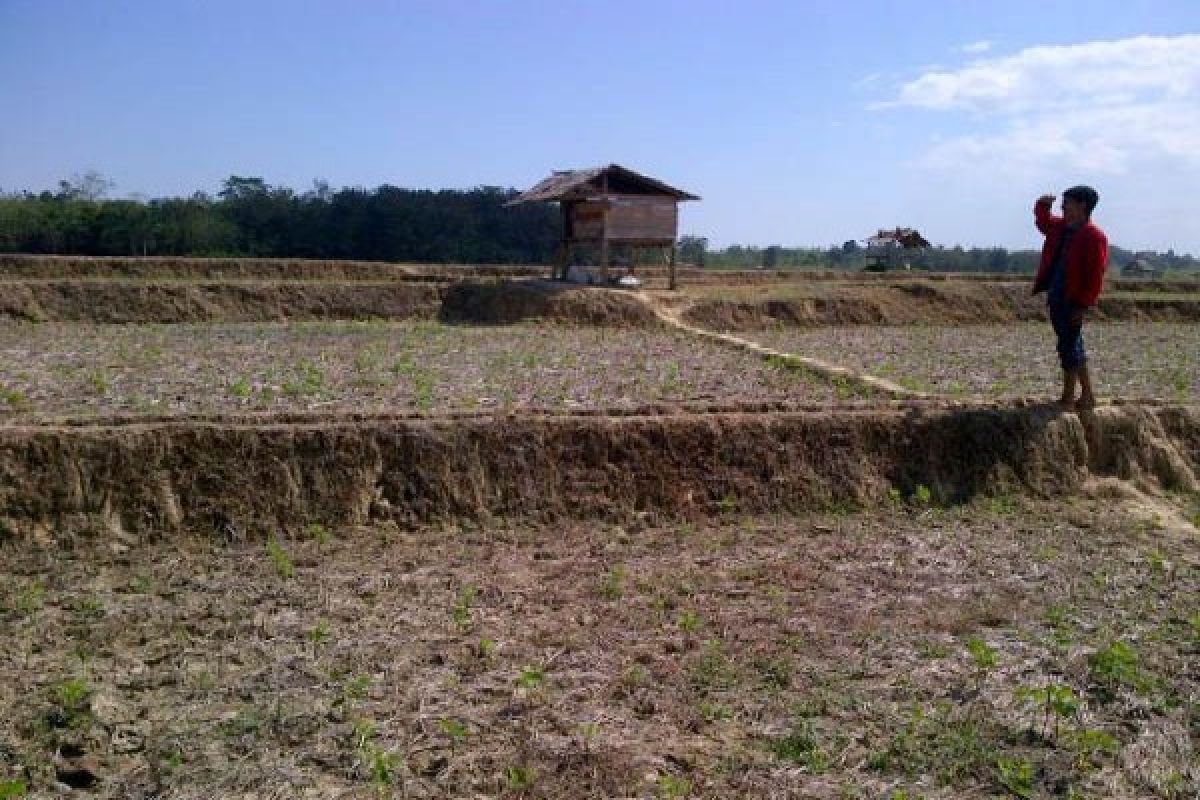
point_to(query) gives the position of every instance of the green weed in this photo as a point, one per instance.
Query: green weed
(932, 650)
(31, 599)
(671, 787)
(319, 634)
(99, 382)
(241, 388)
(461, 613)
(951, 748)
(1002, 505)
(519, 778)
(1054, 701)
(712, 712)
(381, 765)
(614, 583)
(308, 380)
(1089, 745)
(13, 399)
(713, 671)
(1016, 775)
(802, 747)
(73, 699)
(280, 559)
(355, 688)
(531, 677)
(318, 533)
(456, 730)
(9, 790)
(983, 658)
(1115, 666)
(246, 722)
(689, 621)
(90, 607)
(776, 672)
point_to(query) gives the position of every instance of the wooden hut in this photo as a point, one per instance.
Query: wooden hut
(611, 206)
(1140, 267)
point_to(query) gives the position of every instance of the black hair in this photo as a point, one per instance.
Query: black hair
(1083, 194)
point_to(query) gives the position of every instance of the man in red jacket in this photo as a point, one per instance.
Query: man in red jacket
(1074, 257)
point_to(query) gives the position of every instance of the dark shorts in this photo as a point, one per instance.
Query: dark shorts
(1070, 337)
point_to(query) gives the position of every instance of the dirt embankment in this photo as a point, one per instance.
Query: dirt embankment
(485, 302)
(508, 302)
(916, 303)
(236, 479)
(27, 267)
(110, 302)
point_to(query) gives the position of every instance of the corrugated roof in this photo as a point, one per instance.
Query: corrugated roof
(579, 183)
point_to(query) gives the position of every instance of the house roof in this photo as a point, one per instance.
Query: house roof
(576, 184)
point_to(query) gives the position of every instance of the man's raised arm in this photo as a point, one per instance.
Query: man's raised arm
(1043, 218)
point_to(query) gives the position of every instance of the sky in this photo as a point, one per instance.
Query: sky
(798, 123)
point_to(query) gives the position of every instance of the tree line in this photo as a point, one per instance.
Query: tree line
(851, 255)
(251, 218)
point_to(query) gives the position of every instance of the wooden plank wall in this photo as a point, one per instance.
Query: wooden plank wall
(630, 218)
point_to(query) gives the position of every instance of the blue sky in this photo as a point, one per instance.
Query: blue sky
(800, 123)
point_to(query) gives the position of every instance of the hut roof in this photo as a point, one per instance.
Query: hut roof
(1140, 264)
(575, 184)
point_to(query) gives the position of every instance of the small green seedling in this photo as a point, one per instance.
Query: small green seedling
(281, 559)
(318, 533)
(1090, 745)
(1016, 775)
(320, 633)
(588, 732)
(671, 787)
(241, 388)
(614, 583)
(13, 789)
(519, 778)
(1115, 666)
(462, 606)
(382, 765)
(485, 649)
(455, 729)
(73, 696)
(531, 677)
(1055, 701)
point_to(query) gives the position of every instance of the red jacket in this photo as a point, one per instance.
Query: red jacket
(1085, 259)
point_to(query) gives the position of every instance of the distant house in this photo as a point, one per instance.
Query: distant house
(603, 207)
(1140, 267)
(884, 249)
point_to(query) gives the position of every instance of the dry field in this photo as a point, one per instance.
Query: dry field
(1005, 649)
(58, 369)
(1010, 647)
(1131, 360)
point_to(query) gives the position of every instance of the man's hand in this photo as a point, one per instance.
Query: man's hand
(1048, 199)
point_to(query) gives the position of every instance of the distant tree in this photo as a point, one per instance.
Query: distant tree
(90, 186)
(692, 249)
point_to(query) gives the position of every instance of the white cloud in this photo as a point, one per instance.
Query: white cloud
(867, 81)
(1102, 106)
(974, 48)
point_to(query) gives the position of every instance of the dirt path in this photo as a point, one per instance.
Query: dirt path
(828, 369)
